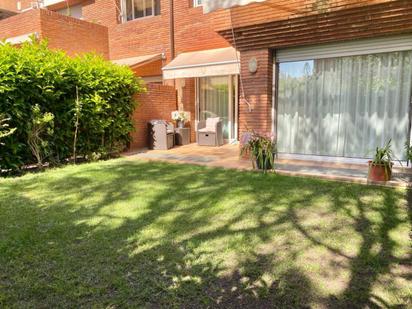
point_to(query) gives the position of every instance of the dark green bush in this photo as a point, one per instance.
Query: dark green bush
(35, 75)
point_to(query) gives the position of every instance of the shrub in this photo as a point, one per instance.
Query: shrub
(39, 128)
(4, 128)
(33, 75)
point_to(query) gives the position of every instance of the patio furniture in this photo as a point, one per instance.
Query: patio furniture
(161, 135)
(209, 132)
(182, 136)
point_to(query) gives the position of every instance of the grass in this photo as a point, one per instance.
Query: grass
(126, 233)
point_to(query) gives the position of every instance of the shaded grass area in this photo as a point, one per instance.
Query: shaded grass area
(126, 233)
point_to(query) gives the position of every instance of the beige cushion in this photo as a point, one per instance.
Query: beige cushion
(211, 124)
(205, 130)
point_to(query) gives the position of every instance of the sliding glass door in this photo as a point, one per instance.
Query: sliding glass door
(217, 97)
(345, 106)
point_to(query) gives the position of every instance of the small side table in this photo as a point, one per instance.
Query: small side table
(182, 136)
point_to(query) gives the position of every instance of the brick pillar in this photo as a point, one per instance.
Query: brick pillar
(257, 91)
(188, 104)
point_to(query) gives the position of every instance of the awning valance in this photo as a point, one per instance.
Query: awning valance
(138, 61)
(211, 5)
(212, 62)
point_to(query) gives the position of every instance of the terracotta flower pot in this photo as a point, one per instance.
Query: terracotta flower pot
(379, 172)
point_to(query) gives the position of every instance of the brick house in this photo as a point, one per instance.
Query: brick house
(326, 77)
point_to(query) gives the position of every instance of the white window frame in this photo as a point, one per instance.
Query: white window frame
(124, 14)
(233, 108)
(197, 3)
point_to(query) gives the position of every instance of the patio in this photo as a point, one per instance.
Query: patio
(227, 156)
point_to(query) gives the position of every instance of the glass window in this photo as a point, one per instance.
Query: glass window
(133, 9)
(214, 100)
(128, 7)
(345, 106)
(73, 11)
(139, 8)
(197, 3)
(148, 8)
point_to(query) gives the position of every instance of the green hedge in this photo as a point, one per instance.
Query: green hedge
(35, 76)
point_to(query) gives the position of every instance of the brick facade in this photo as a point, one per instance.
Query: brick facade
(79, 36)
(157, 103)
(255, 102)
(150, 69)
(259, 29)
(140, 37)
(188, 104)
(277, 10)
(21, 24)
(69, 34)
(309, 22)
(11, 5)
(193, 31)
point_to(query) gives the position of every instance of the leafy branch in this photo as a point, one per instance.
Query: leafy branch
(39, 128)
(5, 128)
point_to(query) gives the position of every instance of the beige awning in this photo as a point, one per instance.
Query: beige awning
(138, 61)
(212, 62)
(211, 5)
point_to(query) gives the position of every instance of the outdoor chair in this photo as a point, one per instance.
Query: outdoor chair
(161, 135)
(209, 132)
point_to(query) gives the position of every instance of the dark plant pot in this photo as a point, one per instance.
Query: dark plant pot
(180, 124)
(266, 164)
(379, 172)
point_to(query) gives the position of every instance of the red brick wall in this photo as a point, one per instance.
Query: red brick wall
(189, 104)
(257, 91)
(28, 22)
(102, 12)
(193, 31)
(141, 36)
(157, 103)
(73, 35)
(150, 69)
(11, 5)
(66, 33)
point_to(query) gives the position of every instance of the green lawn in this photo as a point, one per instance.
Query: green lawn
(126, 233)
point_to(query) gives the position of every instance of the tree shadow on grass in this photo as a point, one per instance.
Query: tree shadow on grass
(376, 253)
(132, 234)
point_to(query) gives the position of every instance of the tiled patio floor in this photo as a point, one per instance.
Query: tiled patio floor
(227, 156)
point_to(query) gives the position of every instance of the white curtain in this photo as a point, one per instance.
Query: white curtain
(345, 106)
(214, 100)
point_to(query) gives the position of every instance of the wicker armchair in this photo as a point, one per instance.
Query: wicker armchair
(209, 132)
(161, 135)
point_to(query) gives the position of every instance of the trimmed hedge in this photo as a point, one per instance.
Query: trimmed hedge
(33, 75)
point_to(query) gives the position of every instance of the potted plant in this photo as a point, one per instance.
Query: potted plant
(408, 149)
(261, 150)
(380, 168)
(180, 118)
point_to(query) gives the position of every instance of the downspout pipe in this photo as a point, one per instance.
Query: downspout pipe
(172, 39)
(172, 29)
